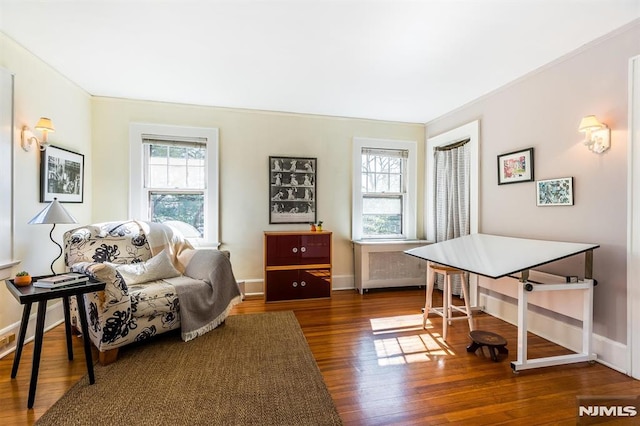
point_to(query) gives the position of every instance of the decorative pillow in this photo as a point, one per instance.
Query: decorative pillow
(157, 268)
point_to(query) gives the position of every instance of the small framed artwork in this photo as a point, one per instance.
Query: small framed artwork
(555, 192)
(515, 167)
(61, 175)
(292, 189)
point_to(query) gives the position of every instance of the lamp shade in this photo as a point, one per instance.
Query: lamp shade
(45, 124)
(589, 122)
(52, 214)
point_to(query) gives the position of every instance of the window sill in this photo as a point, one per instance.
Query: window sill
(373, 242)
(5, 268)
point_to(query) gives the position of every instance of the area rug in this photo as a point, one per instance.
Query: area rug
(256, 369)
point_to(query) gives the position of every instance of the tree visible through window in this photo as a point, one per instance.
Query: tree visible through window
(176, 182)
(174, 178)
(383, 191)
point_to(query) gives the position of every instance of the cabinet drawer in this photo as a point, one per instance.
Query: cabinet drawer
(283, 250)
(318, 283)
(298, 284)
(315, 249)
(298, 249)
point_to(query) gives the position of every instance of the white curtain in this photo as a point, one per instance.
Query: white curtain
(451, 180)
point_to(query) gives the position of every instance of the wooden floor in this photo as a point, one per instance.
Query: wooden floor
(380, 366)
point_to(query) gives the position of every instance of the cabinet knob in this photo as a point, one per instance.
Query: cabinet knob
(295, 249)
(302, 283)
(295, 284)
(303, 249)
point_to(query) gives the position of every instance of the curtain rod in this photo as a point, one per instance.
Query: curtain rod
(452, 145)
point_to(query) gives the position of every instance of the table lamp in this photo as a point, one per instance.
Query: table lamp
(53, 214)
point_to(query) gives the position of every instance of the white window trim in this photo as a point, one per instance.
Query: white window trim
(410, 206)
(138, 204)
(6, 174)
(633, 222)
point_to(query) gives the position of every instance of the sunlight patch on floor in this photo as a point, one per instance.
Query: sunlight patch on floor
(421, 347)
(396, 324)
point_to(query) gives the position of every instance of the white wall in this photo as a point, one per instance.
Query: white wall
(542, 111)
(41, 91)
(247, 139)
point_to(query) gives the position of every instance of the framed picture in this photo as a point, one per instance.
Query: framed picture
(292, 189)
(61, 175)
(515, 167)
(555, 192)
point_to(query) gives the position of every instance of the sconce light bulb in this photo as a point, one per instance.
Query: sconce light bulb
(597, 135)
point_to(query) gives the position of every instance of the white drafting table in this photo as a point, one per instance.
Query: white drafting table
(495, 257)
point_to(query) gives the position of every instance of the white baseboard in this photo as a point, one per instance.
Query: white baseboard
(343, 282)
(610, 353)
(54, 316)
(253, 287)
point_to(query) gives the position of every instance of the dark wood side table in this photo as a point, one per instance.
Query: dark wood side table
(30, 294)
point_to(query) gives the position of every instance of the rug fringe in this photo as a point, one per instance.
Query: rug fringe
(190, 335)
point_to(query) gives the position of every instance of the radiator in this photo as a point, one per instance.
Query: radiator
(382, 264)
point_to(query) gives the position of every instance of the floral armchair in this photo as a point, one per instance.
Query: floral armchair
(149, 269)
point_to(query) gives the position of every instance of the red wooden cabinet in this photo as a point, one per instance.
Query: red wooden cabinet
(297, 265)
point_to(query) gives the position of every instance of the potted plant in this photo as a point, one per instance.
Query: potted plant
(22, 279)
(319, 226)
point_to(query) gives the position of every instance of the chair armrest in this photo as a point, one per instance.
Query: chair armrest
(109, 312)
(203, 255)
(115, 291)
(202, 263)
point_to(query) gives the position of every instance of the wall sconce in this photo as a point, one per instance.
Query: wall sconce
(597, 134)
(28, 139)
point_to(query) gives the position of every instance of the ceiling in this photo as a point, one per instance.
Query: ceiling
(409, 61)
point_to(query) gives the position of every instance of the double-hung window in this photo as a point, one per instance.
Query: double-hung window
(383, 192)
(384, 205)
(174, 178)
(175, 181)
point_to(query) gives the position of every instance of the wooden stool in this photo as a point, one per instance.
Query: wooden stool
(447, 309)
(493, 341)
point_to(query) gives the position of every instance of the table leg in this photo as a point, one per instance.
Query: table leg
(587, 320)
(445, 306)
(26, 311)
(523, 363)
(450, 298)
(588, 264)
(522, 323)
(465, 294)
(82, 312)
(67, 326)
(37, 350)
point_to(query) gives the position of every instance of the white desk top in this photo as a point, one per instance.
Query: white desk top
(495, 256)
